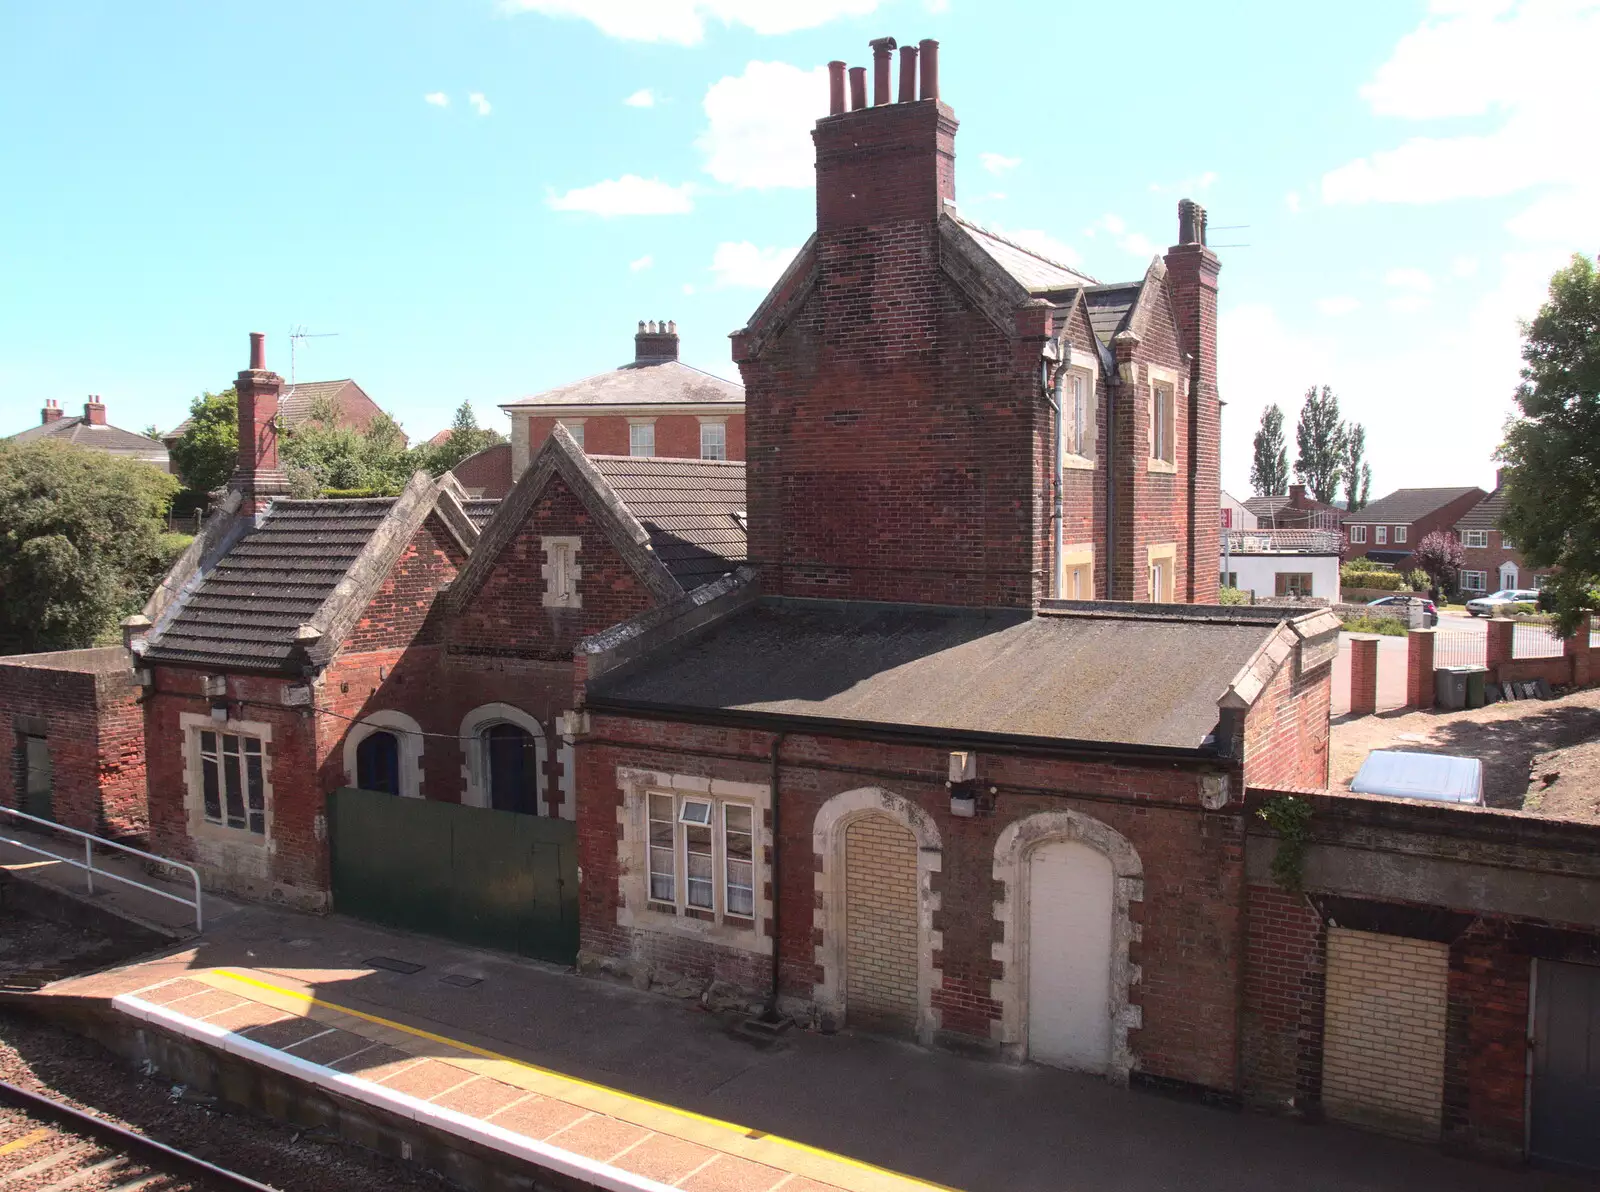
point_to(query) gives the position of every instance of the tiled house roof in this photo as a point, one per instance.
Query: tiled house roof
(693, 509)
(639, 383)
(1406, 505)
(297, 401)
(1486, 514)
(97, 437)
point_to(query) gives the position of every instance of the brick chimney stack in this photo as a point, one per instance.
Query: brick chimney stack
(656, 342)
(50, 413)
(94, 411)
(1192, 277)
(888, 162)
(258, 478)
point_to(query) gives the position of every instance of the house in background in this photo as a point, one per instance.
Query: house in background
(1295, 511)
(486, 473)
(91, 430)
(1236, 514)
(1489, 560)
(354, 410)
(1388, 530)
(1287, 564)
(655, 405)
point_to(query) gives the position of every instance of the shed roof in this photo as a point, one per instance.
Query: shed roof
(1144, 677)
(693, 509)
(1406, 505)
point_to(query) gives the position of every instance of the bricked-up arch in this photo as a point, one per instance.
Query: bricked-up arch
(1010, 989)
(827, 840)
(475, 763)
(409, 735)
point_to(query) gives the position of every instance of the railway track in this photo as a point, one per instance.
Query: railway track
(48, 1146)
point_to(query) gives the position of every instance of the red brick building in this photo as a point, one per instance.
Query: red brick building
(1388, 529)
(655, 405)
(1489, 560)
(1293, 511)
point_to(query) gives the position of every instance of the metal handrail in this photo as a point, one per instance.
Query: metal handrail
(88, 866)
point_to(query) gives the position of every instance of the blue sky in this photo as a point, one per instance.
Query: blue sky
(482, 198)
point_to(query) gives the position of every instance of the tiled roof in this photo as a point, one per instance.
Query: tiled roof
(1031, 270)
(1486, 514)
(1265, 506)
(100, 438)
(692, 508)
(1269, 541)
(480, 509)
(1110, 306)
(356, 409)
(1406, 505)
(244, 614)
(666, 382)
(993, 672)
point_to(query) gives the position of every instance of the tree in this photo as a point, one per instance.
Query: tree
(1552, 450)
(1357, 472)
(1439, 554)
(319, 456)
(1320, 439)
(466, 438)
(1269, 469)
(82, 543)
(207, 452)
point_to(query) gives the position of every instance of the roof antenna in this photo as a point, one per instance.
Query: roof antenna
(296, 334)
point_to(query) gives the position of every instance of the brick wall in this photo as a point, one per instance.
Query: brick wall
(1287, 730)
(881, 924)
(1283, 1000)
(486, 473)
(677, 435)
(1486, 1049)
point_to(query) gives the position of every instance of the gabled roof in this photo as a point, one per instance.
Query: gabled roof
(240, 598)
(693, 510)
(1486, 514)
(639, 383)
(1031, 269)
(1406, 505)
(100, 437)
(1111, 307)
(297, 400)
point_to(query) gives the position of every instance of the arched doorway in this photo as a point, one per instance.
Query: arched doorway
(511, 766)
(1069, 956)
(880, 927)
(378, 762)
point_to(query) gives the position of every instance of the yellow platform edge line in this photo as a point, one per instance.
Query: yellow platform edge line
(745, 1134)
(27, 1140)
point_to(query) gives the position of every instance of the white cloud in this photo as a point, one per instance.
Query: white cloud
(683, 22)
(642, 98)
(687, 288)
(1524, 67)
(742, 264)
(1414, 280)
(759, 125)
(628, 195)
(479, 103)
(437, 98)
(1339, 304)
(1136, 243)
(998, 163)
(1292, 201)
(643, 262)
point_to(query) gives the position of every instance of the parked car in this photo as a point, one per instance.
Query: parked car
(1400, 606)
(1484, 606)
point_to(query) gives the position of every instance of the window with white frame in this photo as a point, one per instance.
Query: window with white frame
(701, 856)
(713, 440)
(1163, 422)
(561, 571)
(1506, 543)
(1381, 535)
(641, 438)
(1474, 581)
(1399, 533)
(233, 780)
(575, 429)
(1358, 533)
(1475, 539)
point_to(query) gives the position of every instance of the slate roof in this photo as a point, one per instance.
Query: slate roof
(1486, 514)
(1110, 307)
(639, 383)
(480, 509)
(692, 509)
(244, 614)
(1406, 505)
(1076, 677)
(104, 437)
(1031, 269)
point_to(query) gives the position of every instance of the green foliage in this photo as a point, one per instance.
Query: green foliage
(205, 454)
(1419, 580)
(1269, 467)
(1387, 625)
(82, 542)
(1322, 441)
(319, 456)
(1438, 554)
(1233, 596)
(1362, 564)
(466, 438)
(1290, 818)
(1552, 451)
(1357, 472)
(1376, 581)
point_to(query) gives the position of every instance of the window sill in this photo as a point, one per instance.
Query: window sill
(204, 829)
(1167, 466)
(1077, 463)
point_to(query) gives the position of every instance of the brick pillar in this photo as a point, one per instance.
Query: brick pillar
(1419, 668)
(1578, 654)
(1363, 675)
(1497, 651)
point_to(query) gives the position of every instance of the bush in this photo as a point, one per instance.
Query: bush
(1367, 623)
(1419, 580)
(1382, 581)
(1361, 564)
(1233, 596)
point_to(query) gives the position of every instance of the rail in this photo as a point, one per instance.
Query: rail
(1459, 647)
(169, 1157)
(88, 865)
(1535, 641)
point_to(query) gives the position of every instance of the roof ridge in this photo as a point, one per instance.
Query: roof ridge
(1032, 252)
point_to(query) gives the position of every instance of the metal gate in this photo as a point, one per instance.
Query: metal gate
(1566, 1065)
(494, 879)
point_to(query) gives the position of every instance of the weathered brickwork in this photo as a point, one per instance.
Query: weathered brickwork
(880, 868)
(402, 610)
(1486, 1051)
(1287, 730)
(1283, 1000)
(1383, 1054)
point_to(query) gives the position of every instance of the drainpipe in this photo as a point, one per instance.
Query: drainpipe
(1052, 375)
(771, 1014)
(1113, 381)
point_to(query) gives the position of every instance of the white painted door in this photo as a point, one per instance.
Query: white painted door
(1508, 575)
(1069, 956)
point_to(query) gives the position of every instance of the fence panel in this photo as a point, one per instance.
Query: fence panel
(1460, 648)
(1535, 641)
